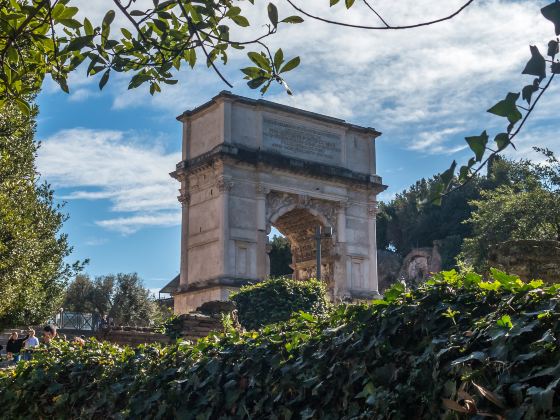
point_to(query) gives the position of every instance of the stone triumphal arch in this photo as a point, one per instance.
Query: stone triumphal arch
(250, 165)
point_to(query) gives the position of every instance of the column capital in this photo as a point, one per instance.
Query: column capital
(261, 189)
(184, 197)
(224, 183)
(342, 205)
(372, 209)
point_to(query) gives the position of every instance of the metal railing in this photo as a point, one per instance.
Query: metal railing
(77, 321)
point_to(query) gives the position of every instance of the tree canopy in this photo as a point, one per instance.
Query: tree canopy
(528, 208)
(408, 222)
(121, 296)
(33, 272)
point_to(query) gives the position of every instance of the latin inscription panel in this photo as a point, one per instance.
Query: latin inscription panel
(301, 142)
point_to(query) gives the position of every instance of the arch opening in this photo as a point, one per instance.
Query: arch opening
(298, 226)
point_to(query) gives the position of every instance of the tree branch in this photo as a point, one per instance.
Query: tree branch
(349, 25)
(511, 137)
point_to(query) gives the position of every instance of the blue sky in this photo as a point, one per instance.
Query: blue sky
(108, 154)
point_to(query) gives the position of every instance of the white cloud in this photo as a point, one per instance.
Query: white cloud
(433, 142)
(95, 241)
(128, 225)
(412, 85)
(116, 166)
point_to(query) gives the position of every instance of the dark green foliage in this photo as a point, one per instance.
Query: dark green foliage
(527, 208)
(33, 271)
(406, 222)
(455, 340)
(280, 257)
(122, 297)
(277, 299)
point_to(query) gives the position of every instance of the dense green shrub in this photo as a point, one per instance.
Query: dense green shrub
(457, 344)
(277, 299)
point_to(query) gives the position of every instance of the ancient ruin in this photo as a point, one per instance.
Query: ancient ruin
(250, 165)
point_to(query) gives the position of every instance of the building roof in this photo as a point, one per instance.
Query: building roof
(264, 103)
(172, 286)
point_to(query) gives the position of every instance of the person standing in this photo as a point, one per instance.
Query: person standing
(49, 333)
(13, 348)
(30, 344)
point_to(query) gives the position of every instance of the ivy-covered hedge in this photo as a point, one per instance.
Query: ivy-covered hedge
(275, 300)
(458, 345)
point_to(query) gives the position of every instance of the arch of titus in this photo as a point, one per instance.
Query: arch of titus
(250, 165)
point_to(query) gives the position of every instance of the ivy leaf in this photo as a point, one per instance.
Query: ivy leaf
(333, 2)
(505, 322)
(555, 68)
(463, 173)
(553, 48)
(273, 14)
(447, 176)
(536, 66)
(478, 144)
(507, 108)
(349, 3)
(552, 13)
(527, 92)
(502, 140)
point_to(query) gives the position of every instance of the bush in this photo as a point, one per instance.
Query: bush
(277, 299)
(457, 345)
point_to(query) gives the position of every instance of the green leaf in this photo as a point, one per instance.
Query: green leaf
(255, 83)
(478, 144)
(505, 322)
(259, 59)
(292, 19)
(278, 58)
(447, 176)
(552, 13)
(502, 140)
(507, 108)
(109, 17)
(104, 79)
(253, 72)
(240, 20)
(290, 65)
(555, 68)
(536, 66)
(88, 27)
(333, 2)
(527, 92)
(349, 3)
(273, 14)
(553, 48)
(78, 43)
(160, 25)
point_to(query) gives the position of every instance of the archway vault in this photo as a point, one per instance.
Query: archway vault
(299, 225)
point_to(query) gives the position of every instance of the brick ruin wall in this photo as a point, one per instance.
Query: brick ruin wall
(529, 259)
